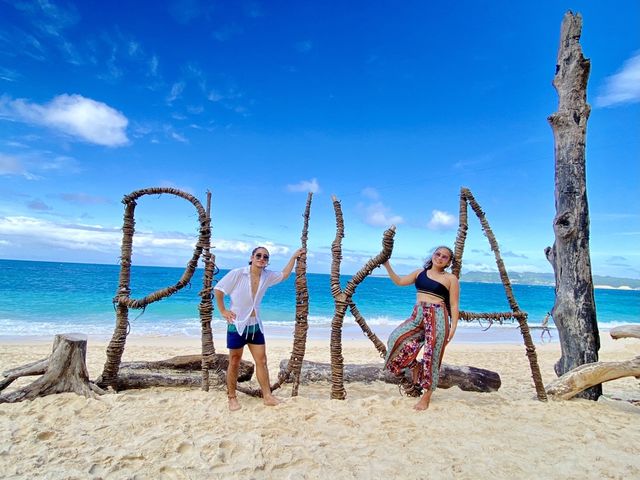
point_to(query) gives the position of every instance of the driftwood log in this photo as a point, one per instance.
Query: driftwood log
(585, 376)
(180, 371)
(470, 379)
(64, 371)
(574, 311)
(590, 374)
(38, 367)
(625, 331)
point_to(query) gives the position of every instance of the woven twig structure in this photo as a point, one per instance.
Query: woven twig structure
(294, 367)
(206, 305)
(123, 301)
(343, 298)
(467, 198)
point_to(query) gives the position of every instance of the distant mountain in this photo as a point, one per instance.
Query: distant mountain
(531, 278)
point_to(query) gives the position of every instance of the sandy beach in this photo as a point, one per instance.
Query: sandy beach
(374, 433)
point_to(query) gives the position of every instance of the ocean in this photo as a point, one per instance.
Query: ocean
(45, 298)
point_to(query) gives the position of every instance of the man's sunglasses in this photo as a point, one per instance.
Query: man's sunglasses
(261, 256)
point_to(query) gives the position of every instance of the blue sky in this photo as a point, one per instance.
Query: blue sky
(391, 106)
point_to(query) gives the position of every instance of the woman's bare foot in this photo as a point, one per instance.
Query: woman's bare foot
(424, 401)
(271, 401)
(234, 404)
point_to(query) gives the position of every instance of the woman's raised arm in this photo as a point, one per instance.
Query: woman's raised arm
(397, 279)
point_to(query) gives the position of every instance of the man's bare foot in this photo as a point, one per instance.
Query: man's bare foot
(234, 404)
(271, 401)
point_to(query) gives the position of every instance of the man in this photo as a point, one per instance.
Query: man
(246, 286)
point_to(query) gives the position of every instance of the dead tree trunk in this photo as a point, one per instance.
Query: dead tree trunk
(574, 311)
(65, 371)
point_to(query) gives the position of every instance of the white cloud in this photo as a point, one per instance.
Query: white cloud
(12, 166)
(74, 115)
(305, 186)
(8, 75)
(253, 9)
(509, 253)
(72, 237)
(230, 246)
(478, 267)
(179, 138)
(524, 268)
(304, 46)
(441, 220)
(82, 240)
(185, 11)
(226, 32)
(375, 213)
(82, 198)
(378, 215)
(134, 48)
(176, 91)
(624, 86)
(370, 193)
(215, 96)
(153, 66)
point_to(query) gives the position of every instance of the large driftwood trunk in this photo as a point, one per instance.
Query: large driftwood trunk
(585, 376)
(470, 379)
(180, 371)
(625, 331)
(64, 371)
(574, 311)
(577, 380)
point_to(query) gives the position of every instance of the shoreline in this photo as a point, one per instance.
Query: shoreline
(472, 335)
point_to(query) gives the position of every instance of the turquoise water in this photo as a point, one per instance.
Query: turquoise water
(44, 298)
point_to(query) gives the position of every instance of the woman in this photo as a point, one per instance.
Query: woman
(432, 324)
(246, 287)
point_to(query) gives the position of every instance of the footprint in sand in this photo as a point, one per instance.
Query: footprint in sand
(185, 448)
(172, 473)
(45, 435)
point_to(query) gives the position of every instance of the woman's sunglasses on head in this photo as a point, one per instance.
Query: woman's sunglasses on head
(261, 256)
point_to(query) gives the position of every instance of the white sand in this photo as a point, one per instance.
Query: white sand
(374, 433)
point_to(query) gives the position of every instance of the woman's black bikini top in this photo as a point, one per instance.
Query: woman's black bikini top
(424, 284)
